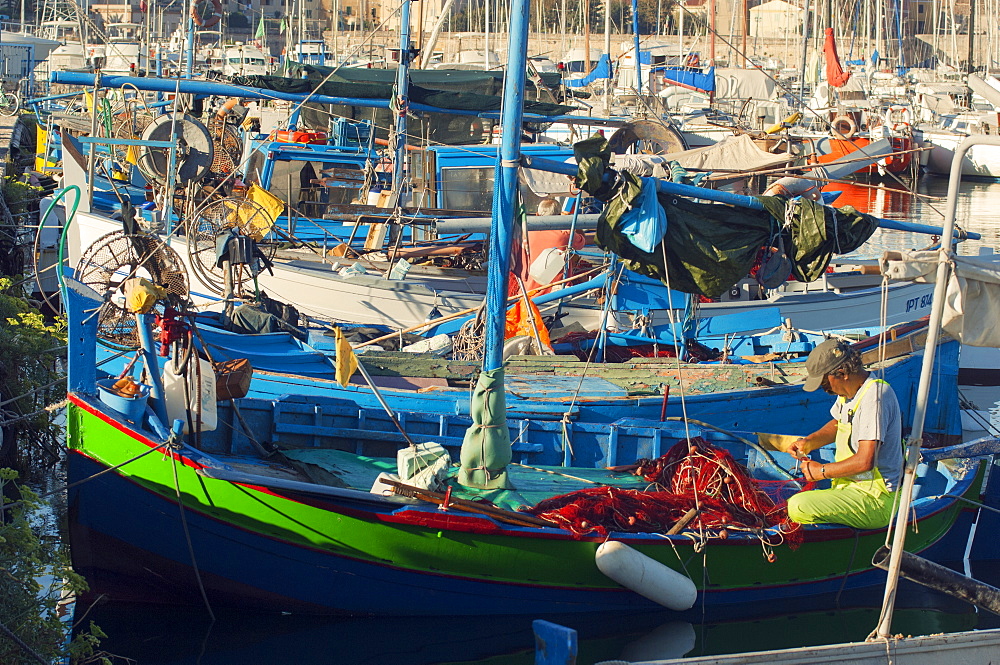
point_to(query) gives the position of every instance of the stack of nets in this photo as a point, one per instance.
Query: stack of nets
(692, 474)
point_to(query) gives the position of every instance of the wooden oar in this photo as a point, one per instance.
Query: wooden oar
(440, 498)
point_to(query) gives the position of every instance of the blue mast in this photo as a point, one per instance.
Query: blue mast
(402, 101)
(486, 447)
(189, 56)
(505, 185)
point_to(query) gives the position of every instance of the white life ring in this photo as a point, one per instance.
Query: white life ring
(846, 132)
(898, 115)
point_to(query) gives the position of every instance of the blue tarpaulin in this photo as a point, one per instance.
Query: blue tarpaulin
(601, 71)
(690, 78)
(645, 223)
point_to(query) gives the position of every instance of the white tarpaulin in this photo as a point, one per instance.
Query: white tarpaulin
(731, 153)
(544, 183)
(972, 299)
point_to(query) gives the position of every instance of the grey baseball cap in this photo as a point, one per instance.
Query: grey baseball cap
(826, 357)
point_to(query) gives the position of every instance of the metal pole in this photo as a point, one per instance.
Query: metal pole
(92, 158)
(189, 63)
(402, 98)
(805, 53)
(505, 184)
(635, 40)
(923, 388)
(607, 51)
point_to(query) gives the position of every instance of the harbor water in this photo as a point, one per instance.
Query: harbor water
(161, 635)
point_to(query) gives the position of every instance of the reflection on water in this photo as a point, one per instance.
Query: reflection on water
(184, 636)
(978, 210)
(888, 200)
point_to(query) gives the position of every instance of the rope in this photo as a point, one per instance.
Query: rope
(187, 533)
(47, 409)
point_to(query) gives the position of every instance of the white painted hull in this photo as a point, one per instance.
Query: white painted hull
(853, 310)
(317, 291)
(981, 161)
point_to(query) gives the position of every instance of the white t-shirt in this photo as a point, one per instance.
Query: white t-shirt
(876, 418)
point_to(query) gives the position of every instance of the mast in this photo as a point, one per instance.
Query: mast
(635, 40)
(805, 52)
(562, 27)
(744, 29)
(486, 36)
(505, 193)
(879, 21)
(189, 60)
(402, 98)
(681, 10)
(711, 28)
(969, 67)
(607, 50)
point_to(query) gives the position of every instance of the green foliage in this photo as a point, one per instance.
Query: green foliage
(237, 21)
(19, 195)
(30, 369)
(35, 575)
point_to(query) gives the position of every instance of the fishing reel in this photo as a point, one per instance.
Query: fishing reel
(221, 218)
(115, 259)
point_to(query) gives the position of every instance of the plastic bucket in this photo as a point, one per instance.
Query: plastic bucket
(132, 408)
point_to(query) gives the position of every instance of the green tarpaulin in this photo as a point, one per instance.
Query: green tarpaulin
(709, 247)
(486, 447)
(339, 86)
(453, 80)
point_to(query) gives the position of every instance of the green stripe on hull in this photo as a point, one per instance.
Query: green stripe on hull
(539, 558)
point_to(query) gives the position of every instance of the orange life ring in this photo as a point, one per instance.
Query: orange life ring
(228, 106)
(692, 60)
(206, 13)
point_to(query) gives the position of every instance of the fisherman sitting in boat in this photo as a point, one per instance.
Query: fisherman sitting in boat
(866, 428)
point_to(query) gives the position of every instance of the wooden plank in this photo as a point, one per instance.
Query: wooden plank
(376, 435)
(562, 387)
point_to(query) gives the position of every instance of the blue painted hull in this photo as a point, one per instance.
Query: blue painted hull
(141, 554)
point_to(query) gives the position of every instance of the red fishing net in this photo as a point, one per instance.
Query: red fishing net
(692, 474)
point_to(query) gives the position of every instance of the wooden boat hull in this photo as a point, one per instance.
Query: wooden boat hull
(318, 291)
(738, 397)
(347, 551)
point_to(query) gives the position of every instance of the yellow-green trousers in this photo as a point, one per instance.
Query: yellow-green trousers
(846, 504)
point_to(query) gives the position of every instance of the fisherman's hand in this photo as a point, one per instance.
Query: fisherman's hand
(799, 448)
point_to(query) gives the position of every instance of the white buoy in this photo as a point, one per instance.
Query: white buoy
(647, 577)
